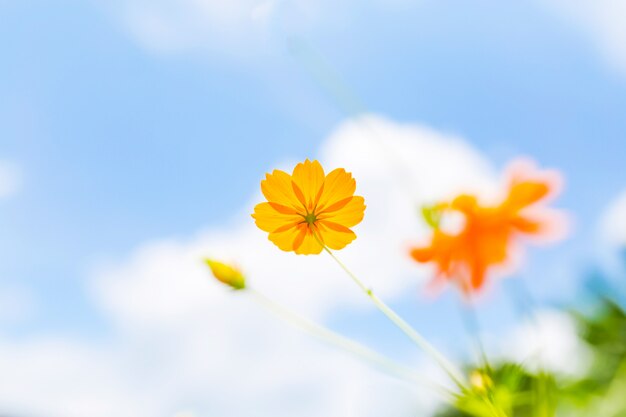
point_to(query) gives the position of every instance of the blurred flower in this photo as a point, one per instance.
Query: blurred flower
(486, 234)
(307, 209)
(227, 274)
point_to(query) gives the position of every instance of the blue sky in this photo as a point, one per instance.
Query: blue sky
(119, 144)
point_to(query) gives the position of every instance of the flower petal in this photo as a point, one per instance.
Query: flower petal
(523, 194)
(477, 275)
(338, 185)
(336, 206)
(268, 219)
(423, 255)
(285, 237)
(526, 225)
(276, 187)
(349, 215)
(309, 244)
(334, 235)
(309, 178)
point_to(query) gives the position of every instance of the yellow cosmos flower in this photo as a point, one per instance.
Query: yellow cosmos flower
(227, 274)
(308, 209)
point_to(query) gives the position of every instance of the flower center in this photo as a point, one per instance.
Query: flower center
(310, 219)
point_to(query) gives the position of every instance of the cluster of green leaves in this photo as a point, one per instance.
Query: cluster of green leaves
(511, 390)
(507, 389)
(602, 391)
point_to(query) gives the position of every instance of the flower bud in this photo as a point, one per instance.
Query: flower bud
(227, 274)
(480, 381)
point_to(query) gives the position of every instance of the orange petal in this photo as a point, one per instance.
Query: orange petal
(349, 215)
(464, 203)
(526, 225)
(302, 231)
(309, 177)
(268, 219)
(422, 255)
(285, 237)
(335, 236)
(276, 187)
(338, 186)
(283, 209)
(309, 245)
(478, 273)
(336, 206)
(523, 194)
(546, 225)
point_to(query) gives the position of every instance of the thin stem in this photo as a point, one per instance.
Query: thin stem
(523, 300)
(417, 338)
(497, 412)
(332, 338)
(472, 325)
(330, 81)
(526, 308)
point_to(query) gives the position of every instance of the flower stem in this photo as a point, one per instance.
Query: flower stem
(472, 325)
(332, 338)
(417, 338)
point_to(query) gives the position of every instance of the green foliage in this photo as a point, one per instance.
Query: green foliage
(507, 389)
(432, 215)
(605, 332)
(602, 391)
(511, 390)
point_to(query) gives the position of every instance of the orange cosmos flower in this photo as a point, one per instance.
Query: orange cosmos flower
(489, 232)
(308, 209)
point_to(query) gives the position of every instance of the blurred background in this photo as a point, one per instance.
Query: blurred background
(134, 135)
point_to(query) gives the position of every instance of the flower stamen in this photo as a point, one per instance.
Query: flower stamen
(310, 219)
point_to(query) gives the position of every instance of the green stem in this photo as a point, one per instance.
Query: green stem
(522, 299)
(495, 410)
(417, 338)
(328, 336)
(472, 325)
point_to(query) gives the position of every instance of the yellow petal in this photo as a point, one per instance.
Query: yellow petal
(285, 237)
(309, 177)
(349, 215)
(336, 206)
(338, 186)
(267, 218)
(277, 188)
(308, 245)
(334, 235)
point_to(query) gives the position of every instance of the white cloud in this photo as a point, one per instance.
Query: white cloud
(396, 167)
(613, 226)
(233, 27)
(56, 377)
(548, 340)
(181, 343)
(10, 178)
(246, 28)
(601, 20)
(174, 24)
